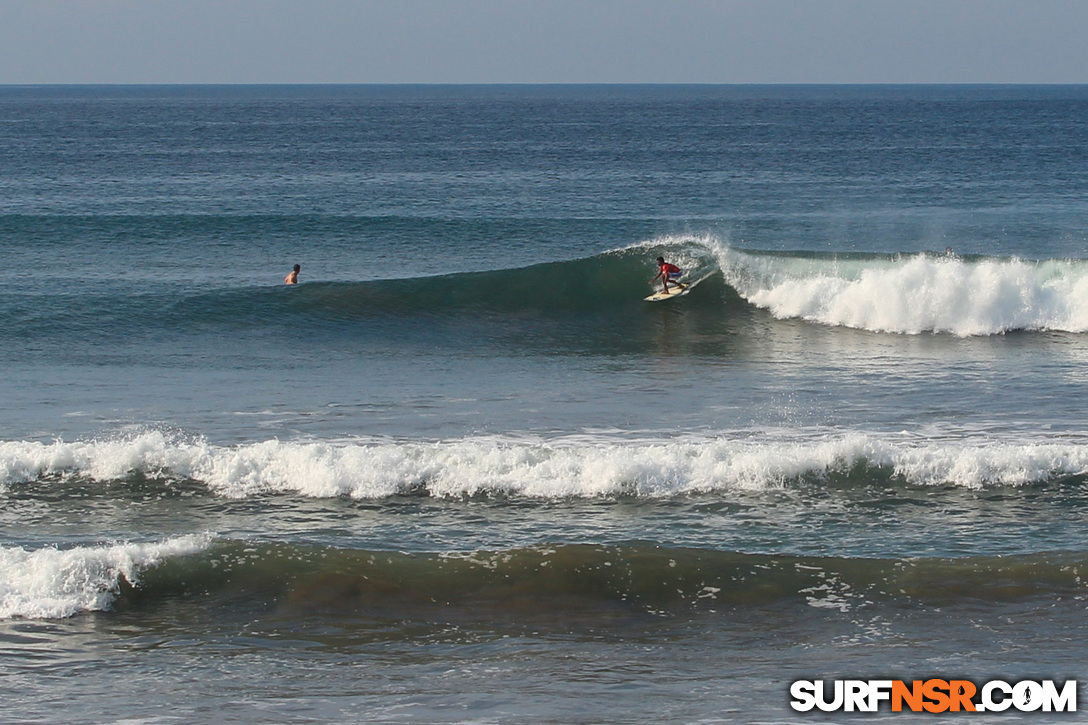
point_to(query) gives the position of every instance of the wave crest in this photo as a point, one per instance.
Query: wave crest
(547, 469)
(523, 585)
(916, 294)
(52, 583)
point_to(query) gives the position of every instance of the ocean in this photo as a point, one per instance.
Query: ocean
(462, 472)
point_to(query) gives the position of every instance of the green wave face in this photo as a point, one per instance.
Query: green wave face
(632, 579)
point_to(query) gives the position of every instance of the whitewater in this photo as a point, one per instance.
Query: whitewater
(556, 468)
(920, 293)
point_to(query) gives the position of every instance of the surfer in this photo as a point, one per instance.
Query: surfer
(668, 273)
(292, 276)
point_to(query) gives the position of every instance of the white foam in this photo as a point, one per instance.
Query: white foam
(537, 467)
(916, 294)
(52, 583)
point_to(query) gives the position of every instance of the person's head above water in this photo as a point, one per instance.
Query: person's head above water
(660, 260)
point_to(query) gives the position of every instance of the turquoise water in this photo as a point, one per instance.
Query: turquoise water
(463, 472)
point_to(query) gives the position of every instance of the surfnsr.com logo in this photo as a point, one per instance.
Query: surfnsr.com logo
(934, 695)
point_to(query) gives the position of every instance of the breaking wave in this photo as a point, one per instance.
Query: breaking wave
(545, 468)
(912, 294)
(524, 585)
(53, 583)
(887, 293)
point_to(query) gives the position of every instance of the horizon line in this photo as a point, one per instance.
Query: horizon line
(538, 83)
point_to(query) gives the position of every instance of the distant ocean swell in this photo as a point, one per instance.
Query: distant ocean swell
(542, 468)
(519, 584)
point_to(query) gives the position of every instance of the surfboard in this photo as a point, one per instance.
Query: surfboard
(673, 293)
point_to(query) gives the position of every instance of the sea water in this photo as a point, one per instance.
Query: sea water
(462, 472)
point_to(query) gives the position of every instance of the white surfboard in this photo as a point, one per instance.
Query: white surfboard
(673, 293)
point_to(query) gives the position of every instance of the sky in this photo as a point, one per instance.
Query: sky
(543, 41)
